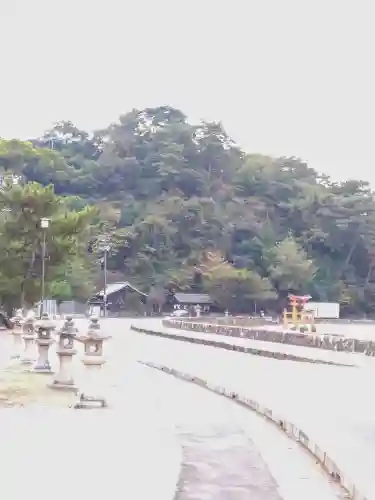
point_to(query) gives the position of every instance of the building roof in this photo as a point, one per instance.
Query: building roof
(193, 298)
(117, 287)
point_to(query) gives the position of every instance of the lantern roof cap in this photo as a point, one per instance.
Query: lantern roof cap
(93, 335)
(45, 322)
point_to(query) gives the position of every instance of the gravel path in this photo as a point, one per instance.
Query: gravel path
(220, 463)
(219, 460)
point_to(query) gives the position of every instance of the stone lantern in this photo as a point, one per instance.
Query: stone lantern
(28, 334)
(65, 351)
(91, 394)
(17, 332)
(44, 340)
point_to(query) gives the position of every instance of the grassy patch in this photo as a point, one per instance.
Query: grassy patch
(19, 388)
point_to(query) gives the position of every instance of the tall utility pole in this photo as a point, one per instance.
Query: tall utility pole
(103, 248)
(44, 224)
(106, 250)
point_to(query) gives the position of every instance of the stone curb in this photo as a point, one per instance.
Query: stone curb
(238, 348)
(291, 430)
(323, 341)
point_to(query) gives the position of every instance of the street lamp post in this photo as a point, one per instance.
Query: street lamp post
(106, 250)
(44, 224)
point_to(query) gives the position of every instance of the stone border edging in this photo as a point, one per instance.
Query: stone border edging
(330, 342)
(238, 348)
(290, 429)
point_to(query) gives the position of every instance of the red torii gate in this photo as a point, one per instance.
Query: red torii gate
(297, 303)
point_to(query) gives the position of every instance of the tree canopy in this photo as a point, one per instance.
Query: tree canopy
(169, 193)
(24, 243)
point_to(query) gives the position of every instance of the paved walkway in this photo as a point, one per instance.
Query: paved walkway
(112, 449)
(231, 453)
(68, 454)
(223, 442)
(332, 404)
(128, 451)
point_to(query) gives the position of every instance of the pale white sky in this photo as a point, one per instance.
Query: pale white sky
(286, 77)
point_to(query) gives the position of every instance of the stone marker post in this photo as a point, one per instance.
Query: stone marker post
(91, 395)
(198, 310)
(17, 336)
(28, 334)
(43, 342)
(65, 351)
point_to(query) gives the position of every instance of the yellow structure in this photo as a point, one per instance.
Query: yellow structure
(299, 317)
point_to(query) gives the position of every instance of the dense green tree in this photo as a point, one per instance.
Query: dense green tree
(168, 191)
(22, 242)
(238, 289)
(289, 267)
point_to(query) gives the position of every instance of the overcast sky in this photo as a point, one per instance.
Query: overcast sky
(286, 77)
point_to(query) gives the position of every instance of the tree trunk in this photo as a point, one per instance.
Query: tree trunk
(22, 298)
(368, 276)
(27, 275)
(351, 251)
(350, 255)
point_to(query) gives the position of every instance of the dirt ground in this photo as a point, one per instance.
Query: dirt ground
(21, 388)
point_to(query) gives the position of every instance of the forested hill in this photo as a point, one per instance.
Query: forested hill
(184, 206)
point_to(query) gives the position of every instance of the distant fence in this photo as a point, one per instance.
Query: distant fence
(54, 309)
(49, 306)
(72, 307)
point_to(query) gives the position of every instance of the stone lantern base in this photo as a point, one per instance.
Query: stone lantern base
(42, 364)
(91, 395)
(17, 345)
(28, 355)
(64, 380)
(90, 402)
(63, 386)
(46, 368)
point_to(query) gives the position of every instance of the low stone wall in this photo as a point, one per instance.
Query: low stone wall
(346, 321)
(267, 320)
(329, 342)
(230, 347)
(289, 428)
(248, 321)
